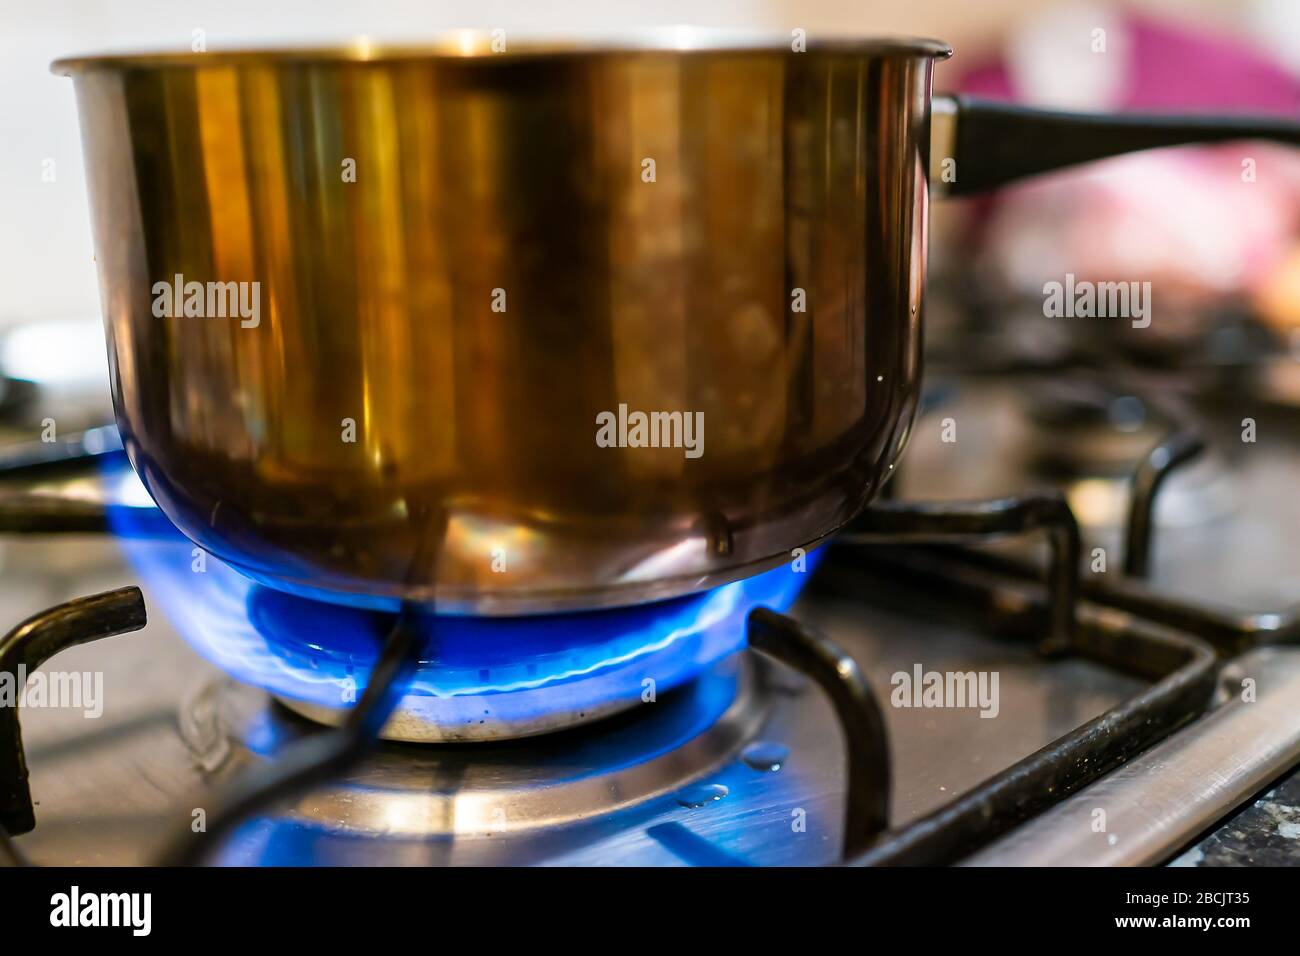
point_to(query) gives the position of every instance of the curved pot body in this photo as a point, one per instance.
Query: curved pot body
(511, 332)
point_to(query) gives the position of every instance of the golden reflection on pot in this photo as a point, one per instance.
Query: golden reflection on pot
(460, 262)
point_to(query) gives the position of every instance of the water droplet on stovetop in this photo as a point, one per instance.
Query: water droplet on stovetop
(765, 757)
(697, 797)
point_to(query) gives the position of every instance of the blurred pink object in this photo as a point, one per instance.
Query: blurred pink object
(1201, 224)
(1163, 67)
(1186, 222)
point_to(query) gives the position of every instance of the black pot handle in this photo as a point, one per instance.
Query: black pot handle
(976, 144)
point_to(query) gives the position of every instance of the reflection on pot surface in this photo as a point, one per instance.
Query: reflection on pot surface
(463, 263)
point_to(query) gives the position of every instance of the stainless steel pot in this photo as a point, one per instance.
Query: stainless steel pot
(384, 324)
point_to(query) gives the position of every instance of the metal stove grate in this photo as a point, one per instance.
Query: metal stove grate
(1170, 643)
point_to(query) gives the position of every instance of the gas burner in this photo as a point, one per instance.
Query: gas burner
(1128, 459)
(477, 678)
(671, 751)
(1084, 428)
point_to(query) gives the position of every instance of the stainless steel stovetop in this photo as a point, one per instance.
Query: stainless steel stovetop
(750, 764)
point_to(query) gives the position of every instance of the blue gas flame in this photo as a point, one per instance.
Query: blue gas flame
(508, 671)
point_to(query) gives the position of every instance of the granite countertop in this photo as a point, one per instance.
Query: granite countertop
(1265, 833)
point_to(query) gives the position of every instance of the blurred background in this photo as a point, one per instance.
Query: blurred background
(1178, 218)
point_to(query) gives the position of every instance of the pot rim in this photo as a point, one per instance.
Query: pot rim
(522, 44)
